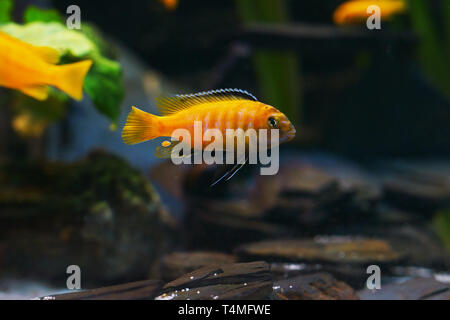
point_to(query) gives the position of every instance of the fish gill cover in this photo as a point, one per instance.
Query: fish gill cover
(103, 83)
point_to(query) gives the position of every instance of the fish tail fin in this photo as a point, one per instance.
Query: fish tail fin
(71, 78)
(140, 126)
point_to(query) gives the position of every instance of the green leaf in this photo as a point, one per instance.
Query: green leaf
(433, 49)
(277, 72)
(94, 34)
(6, 7)
(103, 83)
(35, 14)
(54, 35)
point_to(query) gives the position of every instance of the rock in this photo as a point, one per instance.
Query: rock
(231, 281)
(176, 264)
(414, 289)
(139, 290)
(344, 257)
(420, 245)
(354, 275)
(98, 213)
(388, 215)
(327, 250)
(170, 177)
(262, 207)
(417, 244)
(301, 179)
(214, 231)
(307, 196)
(418, 188)
(319, 286)
(284, 270)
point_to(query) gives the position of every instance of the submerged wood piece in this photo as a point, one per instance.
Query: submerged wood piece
(319, 286)
(139, 290)
(231, 281)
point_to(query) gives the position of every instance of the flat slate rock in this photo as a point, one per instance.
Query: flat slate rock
(333, 250)
(420, 187)
(139, 290)
(307, 180)
(352, 274)
(208, 230)
(250, 280)
(319, 286)
(176, 264)
(414, 289)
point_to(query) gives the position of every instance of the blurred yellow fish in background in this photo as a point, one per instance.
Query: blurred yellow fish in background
(31, 69)
(355, 11)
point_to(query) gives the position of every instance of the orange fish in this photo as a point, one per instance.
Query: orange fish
(31, 69)
(217, 109)
(355, 11)
(170, 4)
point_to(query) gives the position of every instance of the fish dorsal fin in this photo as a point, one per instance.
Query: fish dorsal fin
(173, 104)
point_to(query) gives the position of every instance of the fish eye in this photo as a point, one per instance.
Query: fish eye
(273, 123)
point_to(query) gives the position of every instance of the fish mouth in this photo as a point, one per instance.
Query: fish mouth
(289, 135)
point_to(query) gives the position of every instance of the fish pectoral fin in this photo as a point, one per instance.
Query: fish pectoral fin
(47, 54)
(39, 92)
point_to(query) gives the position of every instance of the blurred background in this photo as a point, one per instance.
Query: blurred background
(365, 181)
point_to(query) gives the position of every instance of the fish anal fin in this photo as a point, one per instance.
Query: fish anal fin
(38, 92)
(173, 104)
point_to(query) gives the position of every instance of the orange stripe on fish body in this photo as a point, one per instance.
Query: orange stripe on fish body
(218, 109)
(31, 69)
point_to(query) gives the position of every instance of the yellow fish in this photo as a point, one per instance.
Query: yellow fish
(355, 11)
(170, 4)
(31, 69)
(217, 109)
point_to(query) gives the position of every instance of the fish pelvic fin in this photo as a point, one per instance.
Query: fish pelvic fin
(140, 126)
(38, 92)
(70, 78)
